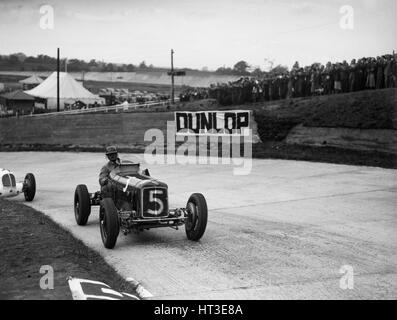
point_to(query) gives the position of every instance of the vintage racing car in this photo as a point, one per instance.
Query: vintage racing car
(10, 188)
(139, 203)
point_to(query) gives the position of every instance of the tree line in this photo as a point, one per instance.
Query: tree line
(42, 62)
(21, 62)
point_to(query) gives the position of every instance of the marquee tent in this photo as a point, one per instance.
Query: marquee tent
(69, 89)
(32, 80)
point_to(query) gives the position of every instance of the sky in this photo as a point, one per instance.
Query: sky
(205, 33)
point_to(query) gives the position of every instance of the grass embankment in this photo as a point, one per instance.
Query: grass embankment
(29, 240)
(359, 110)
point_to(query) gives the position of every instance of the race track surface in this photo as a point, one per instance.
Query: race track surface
(282, 232)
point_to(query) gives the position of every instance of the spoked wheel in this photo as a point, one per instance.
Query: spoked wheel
(82, 205)
(108, 223)
(29, 187)
(197, 217)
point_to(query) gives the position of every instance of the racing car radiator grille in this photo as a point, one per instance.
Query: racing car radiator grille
(8, 180)
(154, 202)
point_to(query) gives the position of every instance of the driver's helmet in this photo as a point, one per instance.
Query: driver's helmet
(111, 150)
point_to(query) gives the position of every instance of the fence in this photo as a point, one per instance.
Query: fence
(105, 109)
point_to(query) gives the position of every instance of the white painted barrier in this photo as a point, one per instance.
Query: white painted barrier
(116, 108)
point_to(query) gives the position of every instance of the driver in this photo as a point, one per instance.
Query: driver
(114, 161)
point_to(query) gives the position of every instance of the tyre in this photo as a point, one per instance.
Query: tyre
(109, 223)
(82, 205)
(29, 187)
(197, 217)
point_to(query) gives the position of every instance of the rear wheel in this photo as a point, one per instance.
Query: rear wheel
(109, 223)
(197, 217)
(29, 187)
(82, 205)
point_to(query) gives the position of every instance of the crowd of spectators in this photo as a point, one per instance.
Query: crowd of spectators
(317, 79)
(192, 94)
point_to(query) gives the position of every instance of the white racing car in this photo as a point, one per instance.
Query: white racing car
(10, 188)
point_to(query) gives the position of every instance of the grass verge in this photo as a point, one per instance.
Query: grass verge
(29, 239)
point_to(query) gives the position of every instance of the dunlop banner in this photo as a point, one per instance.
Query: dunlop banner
(231, 122)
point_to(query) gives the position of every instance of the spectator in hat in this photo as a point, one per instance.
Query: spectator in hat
(394, 72)
(388, 73)
(352, 76)
(337, 80)
(344, 76)
(379, 73)
(371, 67)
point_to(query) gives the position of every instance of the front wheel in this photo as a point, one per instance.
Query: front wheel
(197, 217)
(109, 223)
(82, 205)
(29, 187)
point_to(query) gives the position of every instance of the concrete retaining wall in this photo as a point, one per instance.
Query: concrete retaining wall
(86, 130)
(89, 130)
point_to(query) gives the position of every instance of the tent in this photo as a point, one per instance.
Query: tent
(69, 89)
(32, 80)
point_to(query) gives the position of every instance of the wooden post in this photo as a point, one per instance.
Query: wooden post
(172, 77)
(174, 74)
(58, 67)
